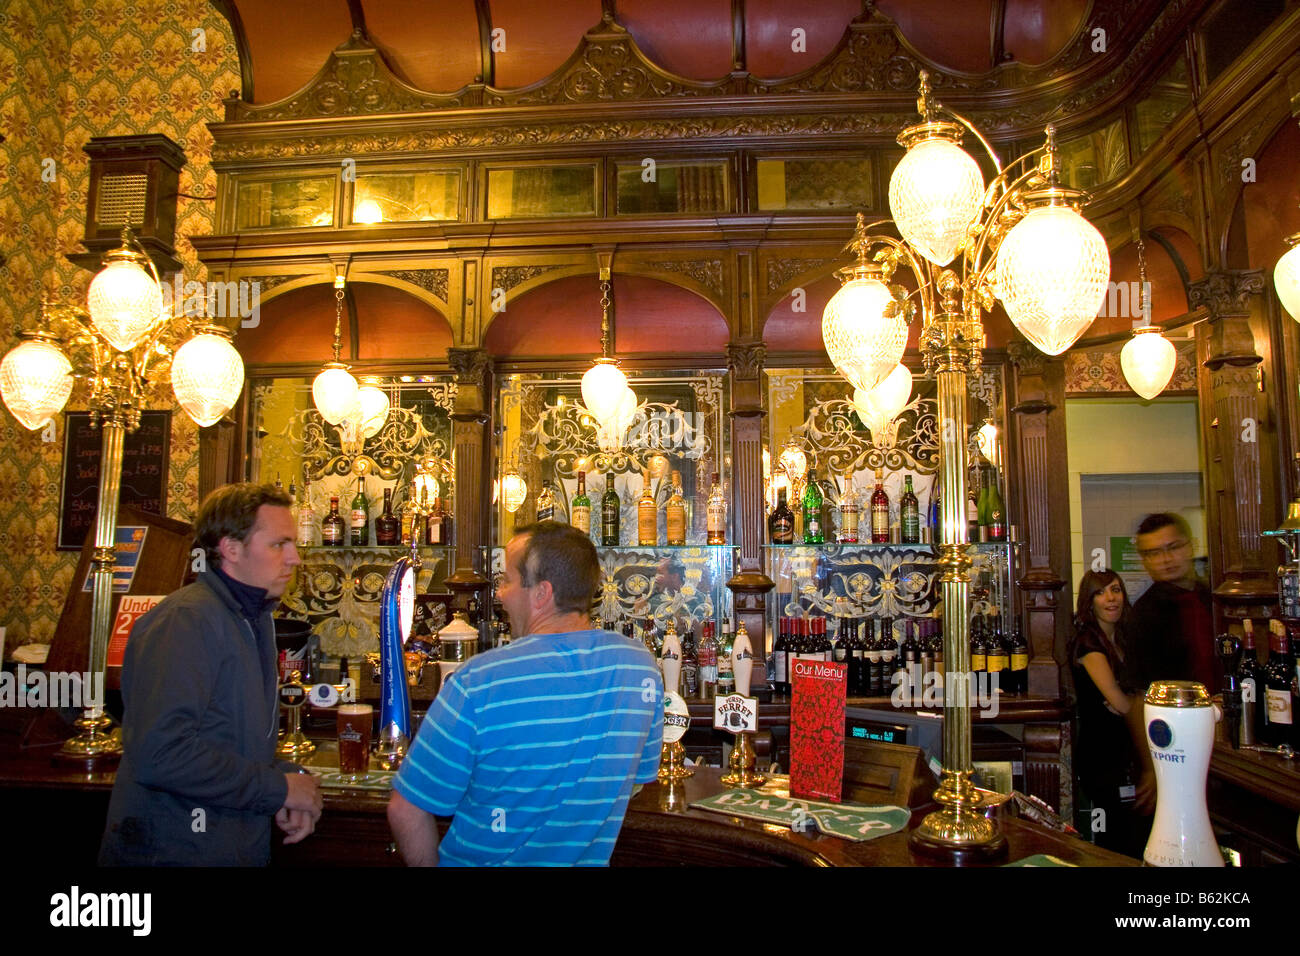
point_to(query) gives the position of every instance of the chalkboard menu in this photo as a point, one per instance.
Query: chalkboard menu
(144, 473)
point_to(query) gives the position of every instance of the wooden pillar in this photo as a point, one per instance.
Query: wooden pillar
(1042, 509)
(472, 451)
(750, 583)
(1240, 441)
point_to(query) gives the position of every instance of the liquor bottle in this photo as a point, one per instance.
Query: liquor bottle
(1019, 679)
(996, 659)
(972, 514)
(780, 525)
(435, 524)
(996, 512)
(891, 657)
(360, 516)
(781, 680)
(726, 674)
(647, 514)
(910, 513)
(331, 529)
(1279, 711)
(546, 503)
(936, 514)
(1250, 677)
(279, 486)
(879, 511)
(812, 511)
(306, 519)
(978, 652)
(936, 645)
(824, 642)
(868, 682)
(675, 514)
(580, 508)
(293, 497)
(610, 507)
(388, 529)
(849, 512)
(856, 659)
(707, 657)
(840, 651)
(717, 513)
(690, 666)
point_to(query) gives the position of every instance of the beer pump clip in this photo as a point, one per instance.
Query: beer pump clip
(396, 615)
(677, 716)
(738, 713)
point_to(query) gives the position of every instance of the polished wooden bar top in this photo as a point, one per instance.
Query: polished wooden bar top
(1270, 776)
(660, 829)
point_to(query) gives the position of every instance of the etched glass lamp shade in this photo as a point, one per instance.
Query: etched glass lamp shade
(603, 386)
(1148, 361)
(935, 194)
(1286, 279)
(514, 490)
(1052, 272)
(374, 409)
(864, 331)
(207, 377)
(335, 393)
(124, 301)
(35, 381)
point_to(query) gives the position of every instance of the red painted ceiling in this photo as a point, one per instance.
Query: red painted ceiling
(435, 44)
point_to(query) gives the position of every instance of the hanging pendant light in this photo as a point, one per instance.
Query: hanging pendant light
(514, 490)
(1148, 359)
(1286, 278)
(604, 383)
(124, 299)
(335, 391)
(35, 379)
(793, 460)
(373, 410)
(864, 328)
(207, 375)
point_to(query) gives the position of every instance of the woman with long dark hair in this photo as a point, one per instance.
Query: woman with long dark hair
(1103, 756)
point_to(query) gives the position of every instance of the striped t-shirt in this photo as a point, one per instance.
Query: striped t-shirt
(535, 748)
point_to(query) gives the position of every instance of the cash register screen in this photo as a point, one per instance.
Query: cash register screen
(871, 730)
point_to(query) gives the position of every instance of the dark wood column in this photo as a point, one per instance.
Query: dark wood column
(470, 436)
(1042, 509)
(1240, 441)
(750, 583)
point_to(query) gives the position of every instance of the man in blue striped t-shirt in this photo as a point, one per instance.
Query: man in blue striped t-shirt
(535, 748)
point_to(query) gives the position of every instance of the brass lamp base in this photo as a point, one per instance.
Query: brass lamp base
(672, 762)
(95, 742)
(742, 773)
(295, 745)
(959, 832)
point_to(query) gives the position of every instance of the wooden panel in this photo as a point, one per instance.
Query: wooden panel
(771, 51)
(279, 67)
(691, 38)
(432, 47)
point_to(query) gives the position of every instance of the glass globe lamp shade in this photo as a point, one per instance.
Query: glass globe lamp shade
(793, 461)
(1051, 276)
(863, 332)
(867, 405)
(1148, 361)
(890, 396)
(374, 409)
(207, 377)
(935, 194)
(124, 301)
(335, 393)
(1286, 279)
(514, 490)
(35, 381)
(626, 411)
(603, 386)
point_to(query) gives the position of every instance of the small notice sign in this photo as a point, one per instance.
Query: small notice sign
(735, 714)
(130, 609)
(129, 544)
(817, 729)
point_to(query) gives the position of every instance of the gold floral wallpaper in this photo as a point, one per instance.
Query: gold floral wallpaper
(69, 71)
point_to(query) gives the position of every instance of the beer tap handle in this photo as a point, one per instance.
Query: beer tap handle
(742, 660)
(671, 661)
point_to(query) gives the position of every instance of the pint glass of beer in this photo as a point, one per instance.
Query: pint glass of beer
(354, 740)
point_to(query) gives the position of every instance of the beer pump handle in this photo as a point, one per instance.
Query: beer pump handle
(742, 660)
(670, 661)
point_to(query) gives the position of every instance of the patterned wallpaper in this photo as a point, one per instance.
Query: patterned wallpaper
(1098, 370)
(69, 71)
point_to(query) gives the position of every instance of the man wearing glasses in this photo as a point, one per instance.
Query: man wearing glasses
(1173, 625)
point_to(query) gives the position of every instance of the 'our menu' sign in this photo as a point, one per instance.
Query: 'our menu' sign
(144, 473)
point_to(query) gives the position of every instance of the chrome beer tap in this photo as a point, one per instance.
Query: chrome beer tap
(397, 667)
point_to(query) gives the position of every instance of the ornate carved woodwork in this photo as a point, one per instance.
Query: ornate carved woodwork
(470, 435)
(750, 583)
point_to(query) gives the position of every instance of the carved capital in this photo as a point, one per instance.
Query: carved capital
(470, 365)
(1027, 359)
(745, 359)
(1226, 293)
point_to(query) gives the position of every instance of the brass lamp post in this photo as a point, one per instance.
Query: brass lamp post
(124, 341)
(1051, 273)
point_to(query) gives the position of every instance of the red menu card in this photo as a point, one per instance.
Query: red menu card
(817, 730)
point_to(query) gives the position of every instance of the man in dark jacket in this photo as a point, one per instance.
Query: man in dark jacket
(199, 781)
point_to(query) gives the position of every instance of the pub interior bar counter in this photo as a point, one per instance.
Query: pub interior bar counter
(944, 376)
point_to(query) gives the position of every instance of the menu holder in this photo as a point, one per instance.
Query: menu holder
(817, 729)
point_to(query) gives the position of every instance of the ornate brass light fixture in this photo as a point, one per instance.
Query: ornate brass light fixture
(123, 342)
(1051, 272)
(604, 385)
(335, 391)
(1147, 359)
